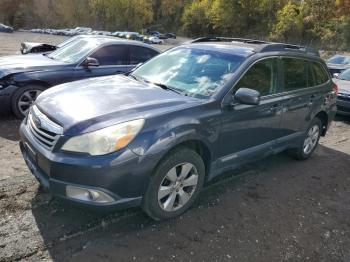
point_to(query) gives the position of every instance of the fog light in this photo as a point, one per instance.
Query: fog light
(88, 195)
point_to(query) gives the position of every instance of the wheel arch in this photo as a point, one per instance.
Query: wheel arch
(196, 145)
(323, 116)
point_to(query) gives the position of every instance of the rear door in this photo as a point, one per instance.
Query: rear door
(302, 93)
(250, 131)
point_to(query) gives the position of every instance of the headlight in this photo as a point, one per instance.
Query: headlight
(106, 140)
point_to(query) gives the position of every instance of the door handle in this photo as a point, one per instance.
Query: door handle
(275, 108)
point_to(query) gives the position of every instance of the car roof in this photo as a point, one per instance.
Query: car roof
(250, 46)
(103, 40)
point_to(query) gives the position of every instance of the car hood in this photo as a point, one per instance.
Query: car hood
(343, 86)
(20, 63)
(94, 103)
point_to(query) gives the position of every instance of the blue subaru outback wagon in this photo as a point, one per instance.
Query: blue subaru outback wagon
(155, 136)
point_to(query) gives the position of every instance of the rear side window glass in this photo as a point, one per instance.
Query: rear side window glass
(261, 77)
(295, 73)
(321, 76)
(310, 76)
(140, 54)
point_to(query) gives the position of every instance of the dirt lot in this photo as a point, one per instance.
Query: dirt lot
(278, 209)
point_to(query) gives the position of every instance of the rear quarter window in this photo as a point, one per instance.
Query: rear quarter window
(321, 75)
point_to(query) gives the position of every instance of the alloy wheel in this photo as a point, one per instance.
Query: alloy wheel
(177, 187)
(311, 139)
(26, 100)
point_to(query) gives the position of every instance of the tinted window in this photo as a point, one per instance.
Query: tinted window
(295, 73)
(140, 54)
(321, 75)
(262, 77)
(111, 55)
(310, 76)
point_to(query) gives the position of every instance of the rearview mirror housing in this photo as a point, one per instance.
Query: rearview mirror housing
(247, 96)
(90, 61)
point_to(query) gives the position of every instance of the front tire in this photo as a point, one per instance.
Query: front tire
(175, 185)
(309, 142)
(23, 98)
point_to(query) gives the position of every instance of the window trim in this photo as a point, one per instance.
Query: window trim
(280, 89)
(301, 89)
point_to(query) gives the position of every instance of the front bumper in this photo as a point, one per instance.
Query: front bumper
(123, 175)
(343, 106)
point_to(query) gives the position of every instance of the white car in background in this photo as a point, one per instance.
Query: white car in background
(155, 40)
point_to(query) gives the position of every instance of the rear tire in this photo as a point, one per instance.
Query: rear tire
(175, 185)
(23, 98)
(309, 142)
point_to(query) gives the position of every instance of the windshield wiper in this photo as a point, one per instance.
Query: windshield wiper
(163, 86)
(166, 87)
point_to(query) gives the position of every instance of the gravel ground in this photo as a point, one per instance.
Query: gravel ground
(277, 209)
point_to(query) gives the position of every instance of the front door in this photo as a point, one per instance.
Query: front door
(112, 60)
(249, 131)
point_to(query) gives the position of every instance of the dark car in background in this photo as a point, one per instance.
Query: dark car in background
(338, 63)
(5, 29)
(23, 78)
(154, 137)
(343, 100)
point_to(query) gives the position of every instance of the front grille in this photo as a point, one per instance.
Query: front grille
(45, 131)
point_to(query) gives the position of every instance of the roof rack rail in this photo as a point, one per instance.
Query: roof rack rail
(270, 47)
(228, 39)
(262, 46)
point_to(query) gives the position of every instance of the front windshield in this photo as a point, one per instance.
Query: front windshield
(189, 70)
(68, 41)
(73, 52)
(339, 60)
(345, 75)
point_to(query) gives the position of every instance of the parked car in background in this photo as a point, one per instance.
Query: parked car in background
(343, 100)
(23, 78)
(338, 63)
(170, 35)
(177, 122)
(5, 29)
(155, 40)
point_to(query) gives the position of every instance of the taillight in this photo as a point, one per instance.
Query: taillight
(335, 89)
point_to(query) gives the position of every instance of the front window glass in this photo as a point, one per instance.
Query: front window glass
(193, 71)
(341, 60)
(73, 52)
(261, 77)
(345, 75)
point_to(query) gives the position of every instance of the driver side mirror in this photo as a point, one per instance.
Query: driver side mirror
(247, 96)
(89, 61)
(335, 75)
